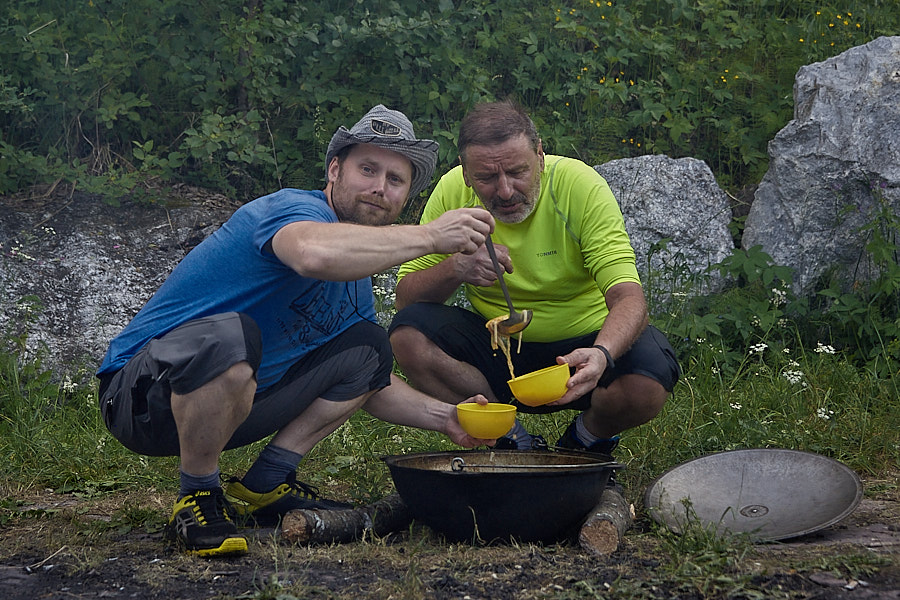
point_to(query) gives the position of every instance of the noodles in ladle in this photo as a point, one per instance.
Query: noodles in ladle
(499, 340)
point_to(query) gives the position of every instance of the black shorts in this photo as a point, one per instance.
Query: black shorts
(135, 401)
(461, 334)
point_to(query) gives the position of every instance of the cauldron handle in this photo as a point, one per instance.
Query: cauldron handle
(457, 464)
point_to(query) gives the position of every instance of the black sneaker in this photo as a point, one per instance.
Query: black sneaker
(604, 448)
(201, 525)
(266, 509)
(570, 441)
(507, 443)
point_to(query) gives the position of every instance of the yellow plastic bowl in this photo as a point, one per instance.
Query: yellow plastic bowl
(542, 386)
(488, 421)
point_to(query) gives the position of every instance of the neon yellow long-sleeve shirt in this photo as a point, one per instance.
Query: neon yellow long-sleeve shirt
(565, 255)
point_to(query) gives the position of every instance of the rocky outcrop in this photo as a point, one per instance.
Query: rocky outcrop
(834, 168)
(677, 218)
(74, 271)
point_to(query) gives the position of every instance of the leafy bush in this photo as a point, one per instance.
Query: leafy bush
(244, 96)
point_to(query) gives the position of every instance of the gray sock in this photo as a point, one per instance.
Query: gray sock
(581, 432)
(271, 469)
(595, 443)
(195, 483)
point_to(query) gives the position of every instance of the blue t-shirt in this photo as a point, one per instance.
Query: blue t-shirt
(232, 270)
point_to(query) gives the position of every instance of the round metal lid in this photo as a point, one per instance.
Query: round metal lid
(768, 493)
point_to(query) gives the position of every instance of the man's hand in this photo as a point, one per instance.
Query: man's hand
(626, 320)
(461, 230)
(478, 269)
(589, 365)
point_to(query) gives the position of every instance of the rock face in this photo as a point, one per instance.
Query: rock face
(676, 200)
(73, 272)
(833, 168)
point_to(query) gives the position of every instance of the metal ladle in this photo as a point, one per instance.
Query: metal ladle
(517, 321)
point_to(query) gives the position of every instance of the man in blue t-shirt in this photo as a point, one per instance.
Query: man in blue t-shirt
(268, 327)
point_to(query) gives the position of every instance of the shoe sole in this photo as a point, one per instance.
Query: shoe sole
(229, 547)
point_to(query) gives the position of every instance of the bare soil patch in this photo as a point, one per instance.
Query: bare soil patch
(56, 546)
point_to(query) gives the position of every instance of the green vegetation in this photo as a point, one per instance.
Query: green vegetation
(243, 96)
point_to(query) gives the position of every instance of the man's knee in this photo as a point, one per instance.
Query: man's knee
(638, 398)
(407, 344)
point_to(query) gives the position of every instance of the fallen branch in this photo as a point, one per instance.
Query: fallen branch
(606, 524)
(388, 515)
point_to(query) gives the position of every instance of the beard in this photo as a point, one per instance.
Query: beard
(524, 204)
(361, 209)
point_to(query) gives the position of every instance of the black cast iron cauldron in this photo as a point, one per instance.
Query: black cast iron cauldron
(501, 495)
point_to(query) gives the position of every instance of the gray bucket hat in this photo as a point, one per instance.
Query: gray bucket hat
(389, 129)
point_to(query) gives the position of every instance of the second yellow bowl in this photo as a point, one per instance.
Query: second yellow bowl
(542, 386)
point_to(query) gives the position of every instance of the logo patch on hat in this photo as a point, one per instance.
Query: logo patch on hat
(385, 128)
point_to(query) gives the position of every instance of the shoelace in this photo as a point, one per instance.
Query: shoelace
(304, 490)
(208, 508)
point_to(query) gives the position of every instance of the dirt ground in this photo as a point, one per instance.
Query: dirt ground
(57, 547)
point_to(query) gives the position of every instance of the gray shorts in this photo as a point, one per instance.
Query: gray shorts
(135, 401)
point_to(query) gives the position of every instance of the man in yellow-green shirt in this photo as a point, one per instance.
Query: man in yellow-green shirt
(561, 240)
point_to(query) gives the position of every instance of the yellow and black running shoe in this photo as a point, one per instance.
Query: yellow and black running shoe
(267, 508)
(201, 524)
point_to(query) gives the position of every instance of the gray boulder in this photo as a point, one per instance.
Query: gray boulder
(833, 168)
(73, 272)
(676, 200)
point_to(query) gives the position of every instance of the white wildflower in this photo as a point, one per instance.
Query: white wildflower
(824, 349)
(758, 348)
(793, 377)
(779, 297)
(735, 405)
(68, 385)
(823, 413)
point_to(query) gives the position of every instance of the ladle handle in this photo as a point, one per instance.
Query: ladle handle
(490, 248)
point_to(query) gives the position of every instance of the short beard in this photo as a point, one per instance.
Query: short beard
(528, 203)
(349, 212)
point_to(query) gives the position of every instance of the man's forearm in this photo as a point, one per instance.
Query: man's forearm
(626, 320)
(402, 405)
(435, 284)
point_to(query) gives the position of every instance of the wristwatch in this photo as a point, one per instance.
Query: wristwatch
(610, 363)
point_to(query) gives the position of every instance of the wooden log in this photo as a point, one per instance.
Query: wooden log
(385, 516)
(603, 529)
